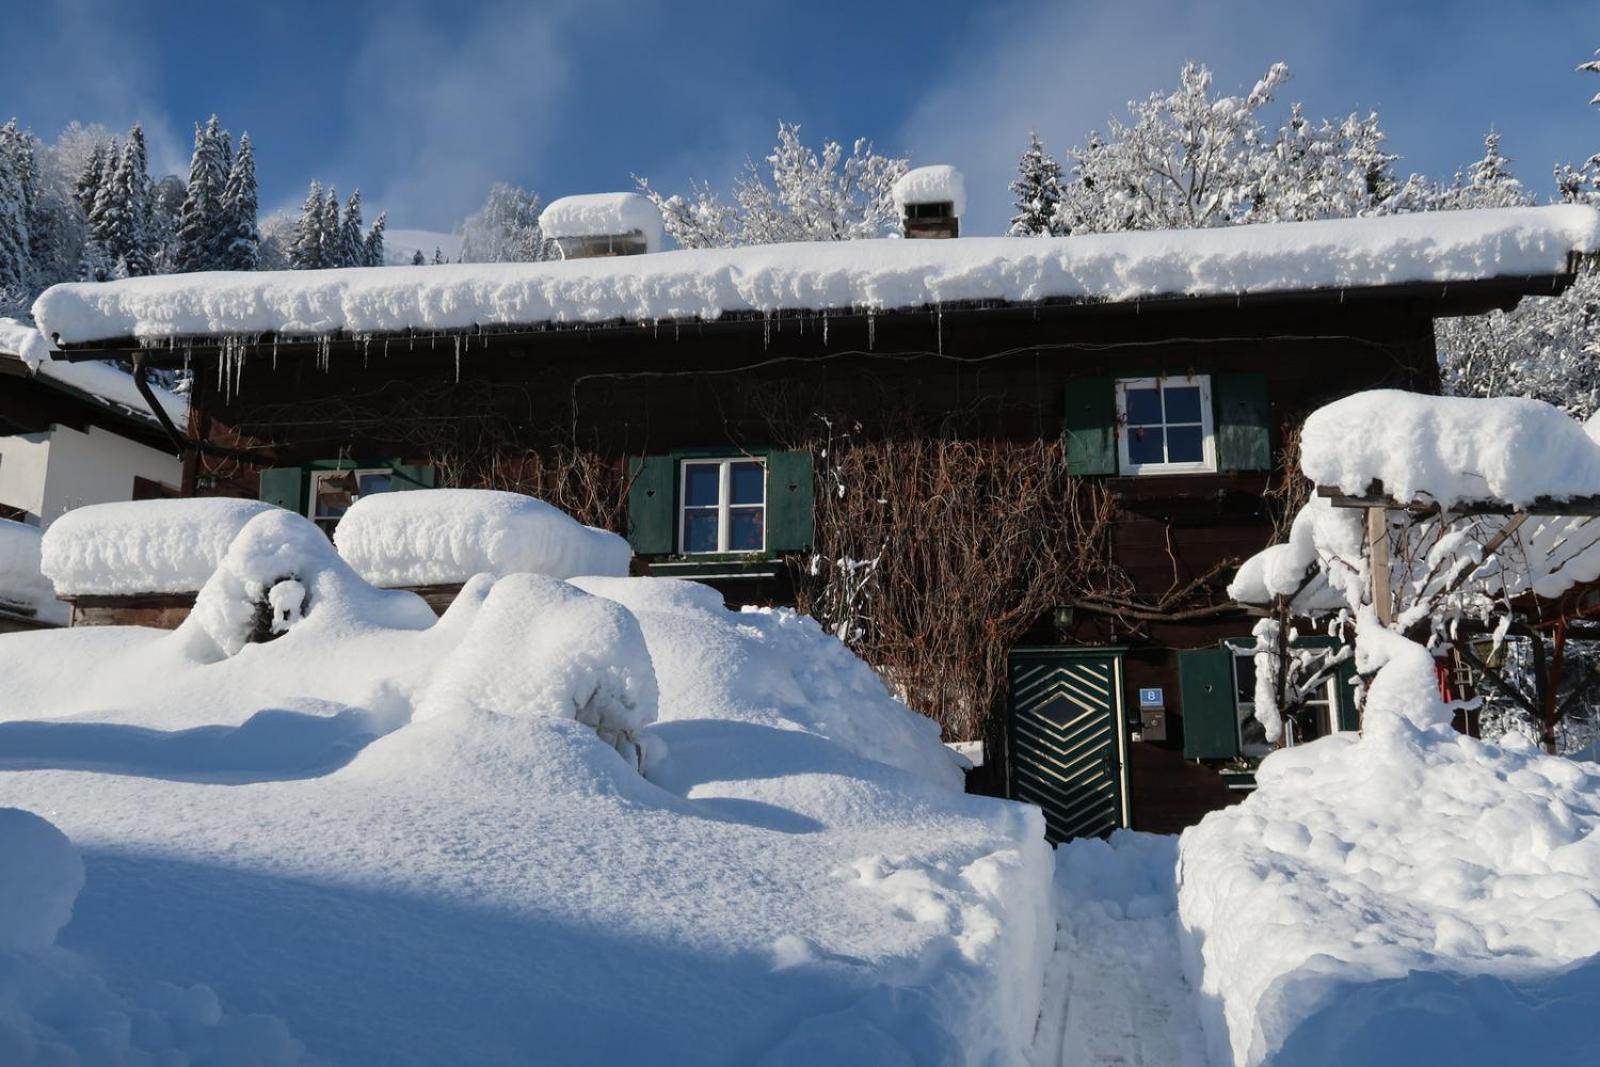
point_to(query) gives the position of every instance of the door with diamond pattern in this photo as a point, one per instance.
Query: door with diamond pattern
(1067, 744)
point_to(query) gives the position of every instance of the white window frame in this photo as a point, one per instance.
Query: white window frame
(316, 480)
(1208, 430)
(724, 504)
(1330, 698)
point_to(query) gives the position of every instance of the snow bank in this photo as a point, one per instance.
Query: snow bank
(40, 875)
(142, 546)
(445, 536)
(1405, 891)
(54, 1007)
(22, 583)
(931, 185)
(795, 870)
(819, 276)
(1450, 449)
(101, 380)
(604, 215)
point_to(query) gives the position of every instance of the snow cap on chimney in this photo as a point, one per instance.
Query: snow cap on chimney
(603, 224)
(931, 201)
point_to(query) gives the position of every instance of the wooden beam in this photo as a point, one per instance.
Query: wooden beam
(1574, 506)
(1378, 563)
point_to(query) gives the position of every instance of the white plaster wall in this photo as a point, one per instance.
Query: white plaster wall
(96, 468)
(24, 464)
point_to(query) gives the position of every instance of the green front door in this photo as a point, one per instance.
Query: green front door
(1067, 743)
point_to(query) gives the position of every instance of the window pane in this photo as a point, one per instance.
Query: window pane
(1183, 403)
(702, 484)
(745, 527)
(1185, 444)
(1144, 444)
(1244, 670)
(748, 482)
(700, 531)
(374, 482)
(1143, 407)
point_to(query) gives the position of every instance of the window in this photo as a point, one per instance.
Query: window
(1312, 721)
(724, 506)
(332, 492)
(1165, 425)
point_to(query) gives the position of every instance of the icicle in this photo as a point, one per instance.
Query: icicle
(872, 329)
(766, 329)
(677, 330)
(274, 351)
(824, 329)
(938, 316)
(458, 358)
(366, 347)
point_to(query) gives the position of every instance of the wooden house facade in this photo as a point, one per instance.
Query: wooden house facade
(1025, 512)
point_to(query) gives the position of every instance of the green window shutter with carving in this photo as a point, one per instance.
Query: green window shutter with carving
(1091, 426)
(791, 498)
(1243, 421)
(404, 477)
(1210, 717)
(652, 481)
(285, 487)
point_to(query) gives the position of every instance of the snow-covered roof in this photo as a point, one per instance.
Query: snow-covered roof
(937, 184)
(1440, 247)
(108, 384)
(604, 215)
(22, 585)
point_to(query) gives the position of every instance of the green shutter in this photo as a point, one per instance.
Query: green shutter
(1206, 699)
(1345, 702)
(1244, 422)
(1091, 426)
(790, 500)
(404, 477)
(652, 481)
(285, 487)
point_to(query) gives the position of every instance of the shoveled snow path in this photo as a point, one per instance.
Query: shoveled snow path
(1114, 991)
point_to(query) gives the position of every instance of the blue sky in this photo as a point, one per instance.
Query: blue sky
(422, 105)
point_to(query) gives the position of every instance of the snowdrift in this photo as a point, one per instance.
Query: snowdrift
(607, 820)
(56, 1009)
(1408, 894)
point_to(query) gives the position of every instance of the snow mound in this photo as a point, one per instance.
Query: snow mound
(25, 342)
(1450, 449)
(55, 1009)
(931, 185)
(1297, 567)
(1376, 890)
(541, 647)
(775, 667)
(445, 536)
(22, 583)
(279, 570)
(142, 546)
(604, 215)
(823, 275)
(40, 875)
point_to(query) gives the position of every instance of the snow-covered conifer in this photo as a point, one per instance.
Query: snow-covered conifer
(416, 258)
(1037, 190)
(203, 223)
(505, 229)
(372, 243)
(349, 247)
(16, 203)
(306, 251)
(239, 210)
(119, 218)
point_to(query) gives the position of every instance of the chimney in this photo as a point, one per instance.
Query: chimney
(931, 201)
(602, 224)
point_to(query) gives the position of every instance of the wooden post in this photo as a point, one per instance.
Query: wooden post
(1547, 728)
(1378, 563)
